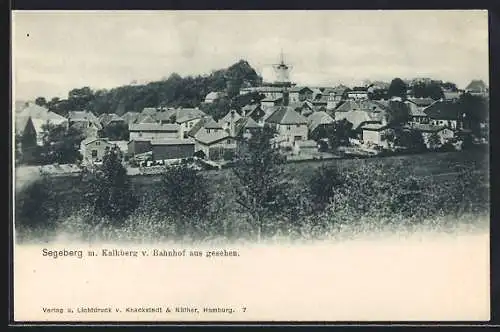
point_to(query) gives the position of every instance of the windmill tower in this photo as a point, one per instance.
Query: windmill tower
(282, 71)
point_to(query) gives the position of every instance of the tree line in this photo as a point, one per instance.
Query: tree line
(174, 91)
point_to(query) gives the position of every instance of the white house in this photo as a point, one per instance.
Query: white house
(290, 125)
(93, 149)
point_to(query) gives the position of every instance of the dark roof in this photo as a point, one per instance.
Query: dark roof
(193, 131)
(212, 124)
(245, 123)
(421, 102)
(443, 110)
(285, 115)
(476, 85)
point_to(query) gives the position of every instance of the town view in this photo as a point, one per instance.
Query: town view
(231, 155)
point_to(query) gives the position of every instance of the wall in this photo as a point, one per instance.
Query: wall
(372, 136)
(150, 135)
(448, 123)
(227, 143)
(288, 132)
(185, 127)
(161, 152)
(138, 147)
(99, 146)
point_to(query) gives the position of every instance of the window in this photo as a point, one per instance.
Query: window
(298, 126)
(297, 138)
(208, 131)
(94, 153)
(228, 141)
(288, 127)
(228, 123)
(97, 143)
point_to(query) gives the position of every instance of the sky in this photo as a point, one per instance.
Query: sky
(54, 52)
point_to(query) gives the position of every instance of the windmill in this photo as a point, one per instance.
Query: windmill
(282, 71)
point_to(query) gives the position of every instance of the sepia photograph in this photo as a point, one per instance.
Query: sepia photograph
(228, 166)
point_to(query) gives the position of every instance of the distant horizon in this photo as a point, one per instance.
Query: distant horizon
(105, 49)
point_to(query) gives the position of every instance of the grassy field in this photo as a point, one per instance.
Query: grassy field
(444, 197)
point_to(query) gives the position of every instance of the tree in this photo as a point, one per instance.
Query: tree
(434, 141)
(41, 101)
(61, 144)
(36, 204)
(322, 186)
(410, 139)
(108, 189)
(261, 181)
(185, 195)
(397, 88)
(116, 131)
(341, 132)
(398, 113)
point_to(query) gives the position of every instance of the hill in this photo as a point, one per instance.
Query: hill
(175, 91)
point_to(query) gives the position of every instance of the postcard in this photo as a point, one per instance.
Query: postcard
(250, 166)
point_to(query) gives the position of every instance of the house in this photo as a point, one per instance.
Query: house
(85, 121)
(212, 97)
(318, 123)
(268, 91)
(109, 119)
(416, 113)
(186, 118)
(138, 146)
(442, 134)
(357, 93)
(477, 87)
(94, 149)
(254, 111)
(359, 113)
(172, 148)
(271, 102)
(149, 111)
(304, 108)
(229, 122)
(290, 125)
(336, 95)
(130, 117)
(445, 113)
(152, 131)
(374, 134)
(298, 94)
(213, 140)
(166, 115)
(33, 118)
(245, 127)
(320, 103)
(146, 118)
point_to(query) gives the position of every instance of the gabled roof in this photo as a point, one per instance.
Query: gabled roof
(130, 117)
(230, 116)
(443, 110)
(188, 114)
(193, 131)
(347, 106)
(476, 86)
(149, 110)
(146, 118)
(82, 116)
(318, 118)
(165, 114)
(414, 110)
(167, 127)
(212, 124)
(208, 138)
(93, 139)
(212, 95)
(245, 123)
(285, 115)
